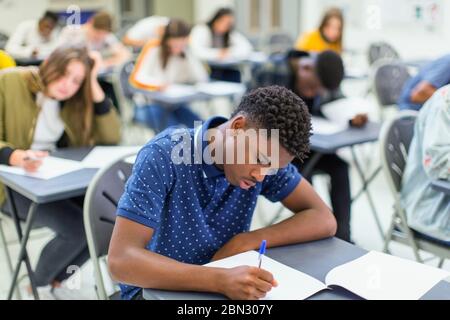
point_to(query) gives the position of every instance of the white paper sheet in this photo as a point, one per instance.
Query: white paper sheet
(326, 127)
(51, 168)
(292, 284)
(101, 157)
(221, 88)
(378, 276)
(342, 110)
(179, 91)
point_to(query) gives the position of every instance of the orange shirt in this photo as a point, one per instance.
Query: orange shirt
(314, 42)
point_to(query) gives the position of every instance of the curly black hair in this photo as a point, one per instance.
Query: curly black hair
(279, 108)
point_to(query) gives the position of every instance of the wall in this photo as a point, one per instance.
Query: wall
(412, 40)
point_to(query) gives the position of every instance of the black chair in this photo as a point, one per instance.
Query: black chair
(100, 207)
(395, 141)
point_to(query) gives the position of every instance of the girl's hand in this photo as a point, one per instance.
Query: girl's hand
(29, 160)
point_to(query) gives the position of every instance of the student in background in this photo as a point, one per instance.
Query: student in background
(6, 61)
(428, 210)
(328, 37)
(420, 88)
(218, 41)
(147, 30)
(97, 35)
(168, 64)
(316, 79)
(59, 104)
(173, 218)
(34, 39)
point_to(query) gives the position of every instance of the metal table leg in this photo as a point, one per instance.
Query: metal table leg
(23, 238)
(365, 190)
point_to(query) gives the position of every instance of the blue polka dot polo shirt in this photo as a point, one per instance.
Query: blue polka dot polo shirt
(192, 208)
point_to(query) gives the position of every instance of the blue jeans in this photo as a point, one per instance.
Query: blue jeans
(160, 118)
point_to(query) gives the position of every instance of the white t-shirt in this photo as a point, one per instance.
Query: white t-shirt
(147, 29)
(27, 38)
(179, 70)
(76, 35)
(49, 127)
(202, 45)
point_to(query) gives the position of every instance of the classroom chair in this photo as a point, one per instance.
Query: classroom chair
(387, 81)
(136, 131)
(279, 42)
(381, 51)
(3, 40)
(100, 207)
(395, 140)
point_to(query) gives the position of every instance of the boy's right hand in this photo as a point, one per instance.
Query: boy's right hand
(29, 160)
(247, 283)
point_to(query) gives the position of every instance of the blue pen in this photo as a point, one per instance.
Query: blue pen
(262, 252)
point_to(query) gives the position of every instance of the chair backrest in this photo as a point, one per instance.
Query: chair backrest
(3, 40)
(388, 80)
(100, 205)
(279, 42)
(395, 140)
(124, 79)
(381, 50)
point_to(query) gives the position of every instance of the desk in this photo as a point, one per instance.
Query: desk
(442, 186)
(193, 93)
(315, 259)
(41, 192)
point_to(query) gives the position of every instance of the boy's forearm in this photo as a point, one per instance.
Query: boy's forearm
(145, 269)
(308, 225)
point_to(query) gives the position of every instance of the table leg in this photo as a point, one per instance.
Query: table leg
(23, 238)
(365, 190)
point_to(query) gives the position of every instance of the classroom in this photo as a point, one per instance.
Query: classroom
(224, 150)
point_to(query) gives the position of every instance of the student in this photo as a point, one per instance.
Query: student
(34, 39)
(218, 41)
(420, 88)
(149, 29)
(316, 79)
(327, 37)
(59, 104)
(6, 61)
(175, 217)
(170, 63)
(428, 210)
(97, 35)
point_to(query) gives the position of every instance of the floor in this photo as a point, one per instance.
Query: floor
(364, 231)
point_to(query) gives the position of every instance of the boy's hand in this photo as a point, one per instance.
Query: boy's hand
(359, 120)
(247, 283)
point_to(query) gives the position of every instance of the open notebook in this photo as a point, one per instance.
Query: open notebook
(374, 276)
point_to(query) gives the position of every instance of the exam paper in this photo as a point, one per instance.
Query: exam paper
(342, 110)
(101, 157)
(326, 127)
(179, 91)
(378, 276)
(51, 168)
(221, 88)
(292, 284)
